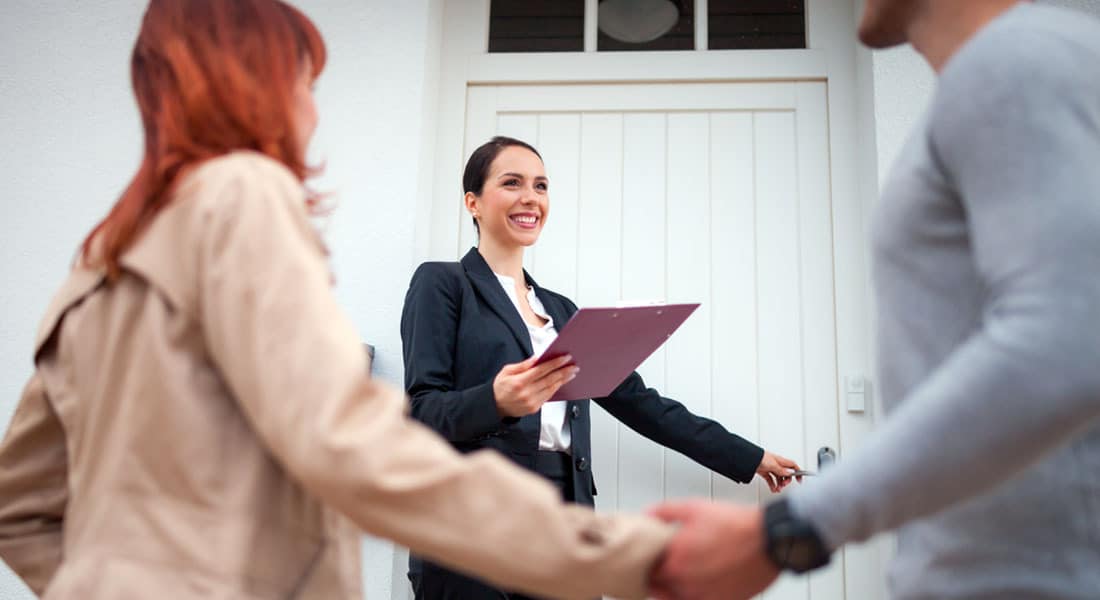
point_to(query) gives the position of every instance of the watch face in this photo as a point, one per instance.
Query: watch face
(799, 552)
(802, 555)
(792, 543)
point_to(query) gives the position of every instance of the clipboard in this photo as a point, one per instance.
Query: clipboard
(609, 343)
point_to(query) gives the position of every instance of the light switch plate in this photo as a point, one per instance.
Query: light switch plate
(855, 393)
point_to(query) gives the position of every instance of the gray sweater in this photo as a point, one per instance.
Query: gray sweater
(986, 254)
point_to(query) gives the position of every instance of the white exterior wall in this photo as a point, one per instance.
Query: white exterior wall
(903, 83)
(72, 139)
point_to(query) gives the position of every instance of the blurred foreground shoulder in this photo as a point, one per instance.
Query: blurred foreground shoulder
(242, 181)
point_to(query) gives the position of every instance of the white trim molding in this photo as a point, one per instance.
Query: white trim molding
(657, 67)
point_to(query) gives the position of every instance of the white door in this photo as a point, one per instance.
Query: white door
(697, 192)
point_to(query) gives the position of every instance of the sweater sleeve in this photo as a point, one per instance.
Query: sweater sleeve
(1015, 129)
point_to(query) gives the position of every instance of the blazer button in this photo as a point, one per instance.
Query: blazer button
(582, 464)
(575, 411)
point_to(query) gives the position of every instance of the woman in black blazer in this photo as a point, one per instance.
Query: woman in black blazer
(470, 331)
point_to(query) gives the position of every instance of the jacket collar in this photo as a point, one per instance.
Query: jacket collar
(81, 282)
(488, 286)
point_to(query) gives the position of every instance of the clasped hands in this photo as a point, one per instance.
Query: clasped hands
(717, 553)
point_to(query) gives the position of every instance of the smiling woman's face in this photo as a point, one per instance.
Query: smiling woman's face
(515, 201)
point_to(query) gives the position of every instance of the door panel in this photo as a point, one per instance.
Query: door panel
(733, 262)
(642, 473)
(693, 192)
(687, 229)
(558, 138)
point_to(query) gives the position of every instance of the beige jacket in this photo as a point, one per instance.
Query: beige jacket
(189, 429)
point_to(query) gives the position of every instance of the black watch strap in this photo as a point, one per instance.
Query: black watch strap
(792, 543)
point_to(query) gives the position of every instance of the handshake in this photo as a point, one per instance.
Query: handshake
(726, 551)
(719, 551)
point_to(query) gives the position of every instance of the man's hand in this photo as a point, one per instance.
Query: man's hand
(776, 470)
(718, 553)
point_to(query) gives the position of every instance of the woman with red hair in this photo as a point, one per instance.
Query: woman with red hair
(200, 422)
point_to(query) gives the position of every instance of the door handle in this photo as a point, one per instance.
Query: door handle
(826, 456)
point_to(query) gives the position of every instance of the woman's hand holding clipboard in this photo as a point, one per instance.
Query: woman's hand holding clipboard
(607, 344)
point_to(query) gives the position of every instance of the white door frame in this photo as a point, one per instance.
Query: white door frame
(831, 56)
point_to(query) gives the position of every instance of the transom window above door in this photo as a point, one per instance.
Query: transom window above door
(625, 25)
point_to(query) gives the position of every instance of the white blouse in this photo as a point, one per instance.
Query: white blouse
(554, 433)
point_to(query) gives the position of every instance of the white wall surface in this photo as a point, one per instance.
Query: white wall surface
(71, 139)
(903, 84)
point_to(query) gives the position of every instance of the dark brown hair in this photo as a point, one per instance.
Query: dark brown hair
(477, 168)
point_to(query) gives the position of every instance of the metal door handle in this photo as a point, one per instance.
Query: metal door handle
(826, 456)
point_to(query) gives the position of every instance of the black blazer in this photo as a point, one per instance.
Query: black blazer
(459, 327)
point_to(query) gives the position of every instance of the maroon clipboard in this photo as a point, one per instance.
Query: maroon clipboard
(609, 343)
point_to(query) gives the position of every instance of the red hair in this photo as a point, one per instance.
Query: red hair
(210, 77)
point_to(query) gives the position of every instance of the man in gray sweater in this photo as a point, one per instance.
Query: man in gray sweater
(986, 251)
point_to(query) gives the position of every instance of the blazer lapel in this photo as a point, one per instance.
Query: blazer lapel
(488, 286)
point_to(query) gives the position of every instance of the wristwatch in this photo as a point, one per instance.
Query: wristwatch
(792, 543)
